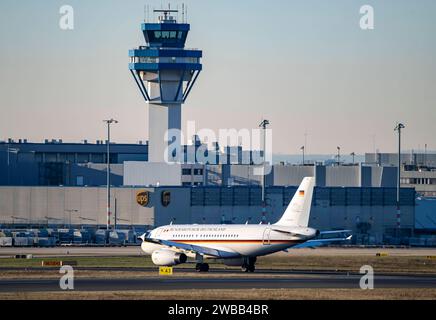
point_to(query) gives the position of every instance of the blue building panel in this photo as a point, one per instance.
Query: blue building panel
(226, 196)
(155, 52)
(353, 196)
(390, 196)
(164, 26)
(288, 194)
(255, 196)
(212, 196)
(377, 196)
(338, 197)
(58, 163)
(366, 196)
(164, 66)
(407, 197)
(321, 193)
(330, 196)
(241, 196)
(197, 197)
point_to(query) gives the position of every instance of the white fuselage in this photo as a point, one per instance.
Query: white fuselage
(242, 240)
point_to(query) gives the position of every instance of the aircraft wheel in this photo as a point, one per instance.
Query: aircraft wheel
(249, 265)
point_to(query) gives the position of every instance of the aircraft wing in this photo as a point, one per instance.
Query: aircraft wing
(194, 248)
(320, 242)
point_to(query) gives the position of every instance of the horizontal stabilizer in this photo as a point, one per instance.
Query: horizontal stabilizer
(335, 231)
(321, 242)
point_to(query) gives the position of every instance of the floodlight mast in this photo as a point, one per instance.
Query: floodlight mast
(108, 172)
(398, 128)
(264, 125)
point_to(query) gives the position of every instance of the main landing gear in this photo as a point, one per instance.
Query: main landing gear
(202, 267)
(249, 264)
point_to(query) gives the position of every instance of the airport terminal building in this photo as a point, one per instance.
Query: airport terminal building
(369, 212)
(63, 185)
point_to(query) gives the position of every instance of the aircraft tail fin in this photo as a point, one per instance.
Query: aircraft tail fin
(298, 211)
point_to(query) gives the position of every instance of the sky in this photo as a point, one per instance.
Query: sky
(304, 65)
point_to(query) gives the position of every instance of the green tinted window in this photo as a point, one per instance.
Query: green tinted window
(165, 35)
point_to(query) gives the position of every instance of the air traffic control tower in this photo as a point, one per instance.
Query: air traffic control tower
(165, 73)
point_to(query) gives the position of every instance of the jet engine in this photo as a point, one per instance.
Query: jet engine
(149, 247)
(165, 257)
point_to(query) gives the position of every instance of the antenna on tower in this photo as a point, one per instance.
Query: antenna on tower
(148, 12)
(183, 13)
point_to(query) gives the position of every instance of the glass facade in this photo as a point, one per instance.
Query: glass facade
(330, 196)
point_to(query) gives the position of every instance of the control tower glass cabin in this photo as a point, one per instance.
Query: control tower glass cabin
(165, 73)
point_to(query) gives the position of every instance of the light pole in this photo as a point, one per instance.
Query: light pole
(263, 125)
(352, 154)
(108, 171)
(425, 155)
(8, 163)
(339, 155)
(398, 128)
(302, 149)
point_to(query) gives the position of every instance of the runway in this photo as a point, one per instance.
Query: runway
(68, 251)
(237, 281)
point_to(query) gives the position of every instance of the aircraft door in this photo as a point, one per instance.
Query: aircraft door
(266, 236)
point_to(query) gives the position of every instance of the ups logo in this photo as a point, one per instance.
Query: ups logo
(166, 198)
(142, 198)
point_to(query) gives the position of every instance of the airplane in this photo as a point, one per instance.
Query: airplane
(238, 244)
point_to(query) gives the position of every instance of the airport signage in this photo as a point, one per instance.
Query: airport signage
(165, 271)
(166, 198)
(142, 198)
(51, 263)
(57, 263)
